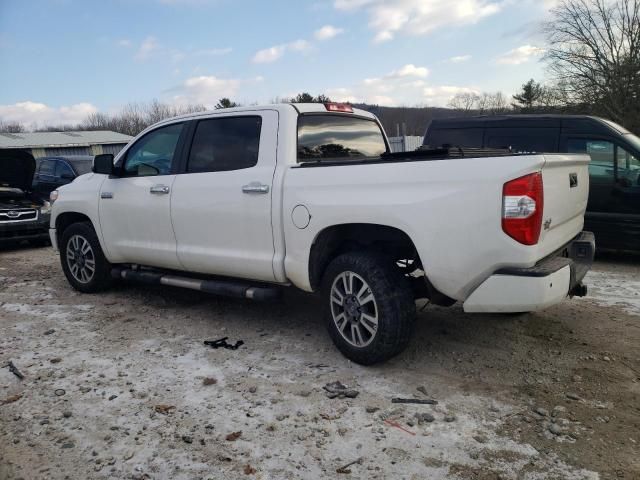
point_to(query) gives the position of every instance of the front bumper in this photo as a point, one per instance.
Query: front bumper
(545, 284)
(14, 232)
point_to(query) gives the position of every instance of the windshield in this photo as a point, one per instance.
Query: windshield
(633, 140)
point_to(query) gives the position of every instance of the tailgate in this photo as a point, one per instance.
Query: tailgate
(566, 190)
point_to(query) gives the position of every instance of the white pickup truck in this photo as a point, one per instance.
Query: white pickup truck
(243, 201)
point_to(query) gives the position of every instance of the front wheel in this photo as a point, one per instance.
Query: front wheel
(83, 261)
(370, 307)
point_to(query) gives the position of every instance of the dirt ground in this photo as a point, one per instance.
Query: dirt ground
(120, 385)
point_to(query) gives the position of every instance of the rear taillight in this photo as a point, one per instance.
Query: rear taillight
(522, 206)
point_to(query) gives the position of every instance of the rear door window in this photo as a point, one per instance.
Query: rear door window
(523, 140)
(338, 138)
(455, 137)
(224, 144)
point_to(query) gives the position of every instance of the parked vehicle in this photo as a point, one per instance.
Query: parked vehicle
(23, 215)
(613, 211)
(53, 172)
(242, 201)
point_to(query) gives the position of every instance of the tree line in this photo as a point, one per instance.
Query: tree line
(592, 63)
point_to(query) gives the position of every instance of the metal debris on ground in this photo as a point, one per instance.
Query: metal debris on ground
(58, 392)
(13, 369)
(338, 389)
(397, 425)
(346, 469)
(420, 401)
(222, 343)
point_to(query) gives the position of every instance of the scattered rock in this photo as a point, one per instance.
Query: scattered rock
(449, 418)
(542, 411)
(233, 436)
(480, 438)
(113, 397)
(573, 396)
(606, 359)
(164, 409)
(576, 378)
(187, 439)
(339, 390)
(56, 360)
(49, 332)
(371, 409)
(249, 470)
(68, 445)
(555, 429)
(424, 418)
(66, 414)
(209, 381)
(422, 390)
(11, 399)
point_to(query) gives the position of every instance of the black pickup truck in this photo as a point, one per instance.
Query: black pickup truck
(23, 214)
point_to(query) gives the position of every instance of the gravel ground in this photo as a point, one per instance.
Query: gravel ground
(120, 385)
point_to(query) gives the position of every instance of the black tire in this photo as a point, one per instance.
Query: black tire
(392, 299)
(100, 279)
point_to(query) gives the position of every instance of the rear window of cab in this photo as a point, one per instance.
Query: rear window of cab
(338, 138)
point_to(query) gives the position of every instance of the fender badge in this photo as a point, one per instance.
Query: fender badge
(547, 224)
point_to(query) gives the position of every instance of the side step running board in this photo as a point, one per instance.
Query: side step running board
(226, 288)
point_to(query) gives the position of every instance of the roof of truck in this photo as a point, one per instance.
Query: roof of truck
(527, 120)
(299, 107)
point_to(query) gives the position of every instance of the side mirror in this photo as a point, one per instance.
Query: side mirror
(103, 164)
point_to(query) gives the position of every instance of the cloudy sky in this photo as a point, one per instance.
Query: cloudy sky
(63, 59)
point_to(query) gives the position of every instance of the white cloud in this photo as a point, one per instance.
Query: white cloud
(459, 59)
(404, 86)
(520, 55)
(272, 54)
(205, 90)
(419, 17)
(148, 46)
(34, 114)
(124, 42)
(327, 32)
(409, 70)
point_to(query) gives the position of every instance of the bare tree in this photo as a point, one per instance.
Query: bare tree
(594, 50)
(465, 102)
(11, 127)
(135, 117)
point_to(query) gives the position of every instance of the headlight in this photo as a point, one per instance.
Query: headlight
(45, 208)
(53, 196)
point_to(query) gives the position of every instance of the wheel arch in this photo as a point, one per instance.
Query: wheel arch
(65, 219)
(336, 239)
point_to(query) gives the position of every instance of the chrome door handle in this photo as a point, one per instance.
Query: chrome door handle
(160, 189)
(255, 187)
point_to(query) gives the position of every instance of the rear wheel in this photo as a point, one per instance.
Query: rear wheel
(370, 307)
(83, 262)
